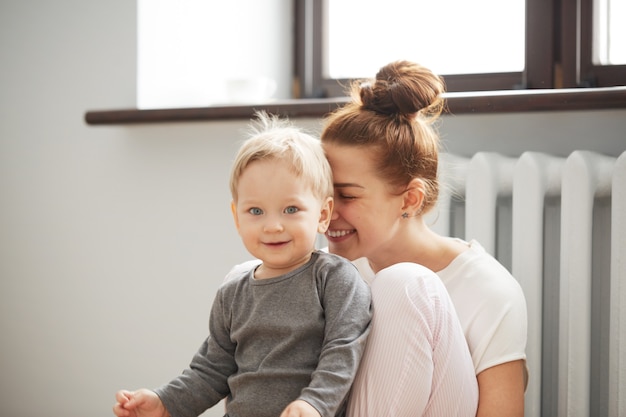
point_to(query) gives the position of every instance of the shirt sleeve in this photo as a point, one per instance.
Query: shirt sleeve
(504, 321)
(238, 269)
(347, 307)
(204, 383)
(492, 308)
(416, 362)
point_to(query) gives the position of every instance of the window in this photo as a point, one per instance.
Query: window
(360, 35)
(609, 32)
(535, 43)
(190, 51)
(602, 43)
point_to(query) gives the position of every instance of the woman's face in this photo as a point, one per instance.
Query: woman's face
(366, 214)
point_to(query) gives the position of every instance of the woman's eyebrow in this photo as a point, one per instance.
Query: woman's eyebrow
(347, 184)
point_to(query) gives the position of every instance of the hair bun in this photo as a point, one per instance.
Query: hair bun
(403, 87)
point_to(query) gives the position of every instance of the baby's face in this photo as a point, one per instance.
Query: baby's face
(278, 216)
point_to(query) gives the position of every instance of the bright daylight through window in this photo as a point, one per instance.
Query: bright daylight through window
(448, 36)
(189, 49)
(610, 32)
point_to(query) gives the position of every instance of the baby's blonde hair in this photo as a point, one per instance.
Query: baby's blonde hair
(274, 138)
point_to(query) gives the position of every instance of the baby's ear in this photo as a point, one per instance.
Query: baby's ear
(325, 215)
(233, 209)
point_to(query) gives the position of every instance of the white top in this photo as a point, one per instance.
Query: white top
(490, 304)
(416, 361)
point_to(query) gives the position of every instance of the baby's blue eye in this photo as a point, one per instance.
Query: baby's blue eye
(291, 210)
(255, 211)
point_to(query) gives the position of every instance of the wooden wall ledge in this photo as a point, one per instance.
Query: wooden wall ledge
(457, 103)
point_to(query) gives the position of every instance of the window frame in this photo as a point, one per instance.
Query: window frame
(559, 92)
(558, 53)
(592, 75)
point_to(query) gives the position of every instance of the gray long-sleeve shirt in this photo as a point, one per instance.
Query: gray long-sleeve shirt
(272, 341)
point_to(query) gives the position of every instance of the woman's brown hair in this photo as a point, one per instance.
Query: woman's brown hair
(394, 114)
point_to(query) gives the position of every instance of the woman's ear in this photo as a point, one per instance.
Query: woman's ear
(414, 197)
(233, 209)
(325, 215)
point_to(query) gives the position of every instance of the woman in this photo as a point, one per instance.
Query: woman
(383, 151)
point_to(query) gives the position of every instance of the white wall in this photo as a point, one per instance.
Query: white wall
(113, 240)
(559, 132)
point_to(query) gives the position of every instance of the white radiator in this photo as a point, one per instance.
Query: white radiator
(559, 225)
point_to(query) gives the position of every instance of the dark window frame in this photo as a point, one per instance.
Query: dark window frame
(560, 63)
(558, 53)
(592, 75)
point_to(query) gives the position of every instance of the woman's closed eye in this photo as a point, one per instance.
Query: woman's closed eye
(342, 196)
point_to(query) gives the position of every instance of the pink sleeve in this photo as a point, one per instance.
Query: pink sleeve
(416, 361)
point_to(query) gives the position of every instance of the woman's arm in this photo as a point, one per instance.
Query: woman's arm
(501, 390)
(416, 360)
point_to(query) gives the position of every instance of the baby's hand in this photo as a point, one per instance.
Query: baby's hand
(300, 408)
(140, 403)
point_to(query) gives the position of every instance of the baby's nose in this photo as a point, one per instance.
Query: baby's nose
(273, 225)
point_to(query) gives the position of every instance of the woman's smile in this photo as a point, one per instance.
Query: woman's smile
(338, 234)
